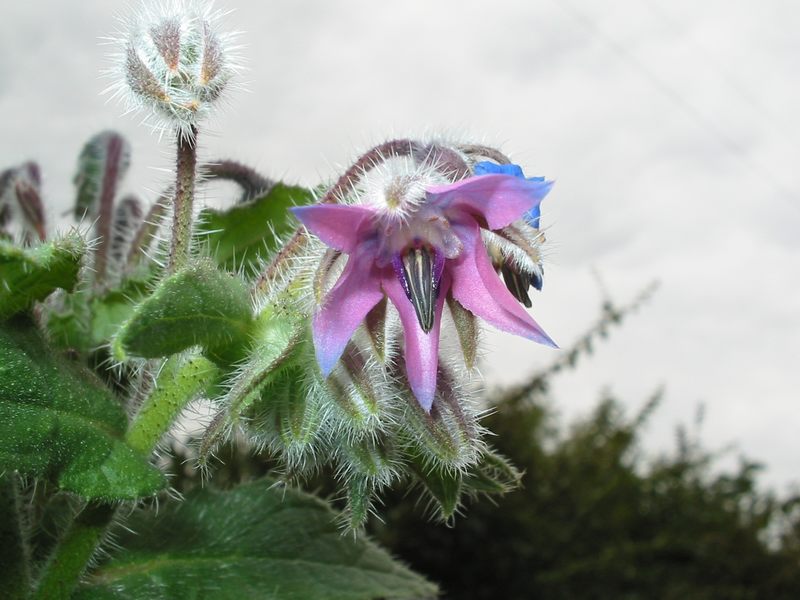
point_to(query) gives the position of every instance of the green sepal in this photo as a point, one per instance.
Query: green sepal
(197, 306)
(238, 236)
(494, 474)
(259, 540)
(277, 340)
(58, 422)
(444, 485)
(287, 416)
(31, 274)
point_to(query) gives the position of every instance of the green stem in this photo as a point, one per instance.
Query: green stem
(180, 381)
(62, 572)
(186, 166)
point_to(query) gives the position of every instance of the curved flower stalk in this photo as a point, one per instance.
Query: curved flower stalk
(414, 237)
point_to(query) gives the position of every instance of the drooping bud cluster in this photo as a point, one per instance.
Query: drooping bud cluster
(174, 62)
(21, 202)
(102, 165)
(408, 230)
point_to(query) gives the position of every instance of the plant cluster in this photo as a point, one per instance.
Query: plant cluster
(309, 321)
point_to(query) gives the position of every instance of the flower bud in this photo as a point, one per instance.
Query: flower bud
(174, 62)
(21, 202)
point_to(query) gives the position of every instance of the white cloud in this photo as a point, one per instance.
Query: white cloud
(671, 129)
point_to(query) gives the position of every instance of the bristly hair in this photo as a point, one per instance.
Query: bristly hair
(172, 60)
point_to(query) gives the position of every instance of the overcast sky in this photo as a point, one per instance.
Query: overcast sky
(672, 130)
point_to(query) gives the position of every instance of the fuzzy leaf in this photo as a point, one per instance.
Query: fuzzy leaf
(255, 541)
(197, 306)
(57, 422)
(110, 311)
(239, 235)
(31, 274)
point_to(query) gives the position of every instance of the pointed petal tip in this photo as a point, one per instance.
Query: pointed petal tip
(545, 340)
(326, 363)
(425, 401)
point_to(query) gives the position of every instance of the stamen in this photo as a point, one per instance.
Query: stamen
(420, 272)
(516, 283)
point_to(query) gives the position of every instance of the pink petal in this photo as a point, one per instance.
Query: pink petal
(421, 349)
(500, 199)
(345, 307)
(478, 288)
(335, 224)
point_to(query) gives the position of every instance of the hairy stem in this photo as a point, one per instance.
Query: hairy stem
(251, 181)
(179, 382)
(74, 551)
(486, 152)
(186, 166)
(147, 231)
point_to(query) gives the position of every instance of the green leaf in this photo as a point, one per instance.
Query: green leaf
(57, 421)
(198, 306)
(111, 310)
(31, 274)
(255, 541)
(238, 236)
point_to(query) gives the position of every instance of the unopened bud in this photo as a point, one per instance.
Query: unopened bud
(174, 62)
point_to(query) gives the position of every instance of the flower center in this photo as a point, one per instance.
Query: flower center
(419, 269)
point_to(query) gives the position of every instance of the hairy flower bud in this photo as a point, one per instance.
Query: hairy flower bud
(21, 202)
(173, 62)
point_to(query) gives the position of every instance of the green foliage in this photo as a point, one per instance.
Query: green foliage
(31, 274)
(240, 235)
(444, 485)
(258, 540)
(58, 422)
(199, 305)
(594, 521)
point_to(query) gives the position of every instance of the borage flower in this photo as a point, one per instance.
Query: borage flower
(420, 245)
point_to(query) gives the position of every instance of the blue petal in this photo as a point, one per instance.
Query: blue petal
(487, 168)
